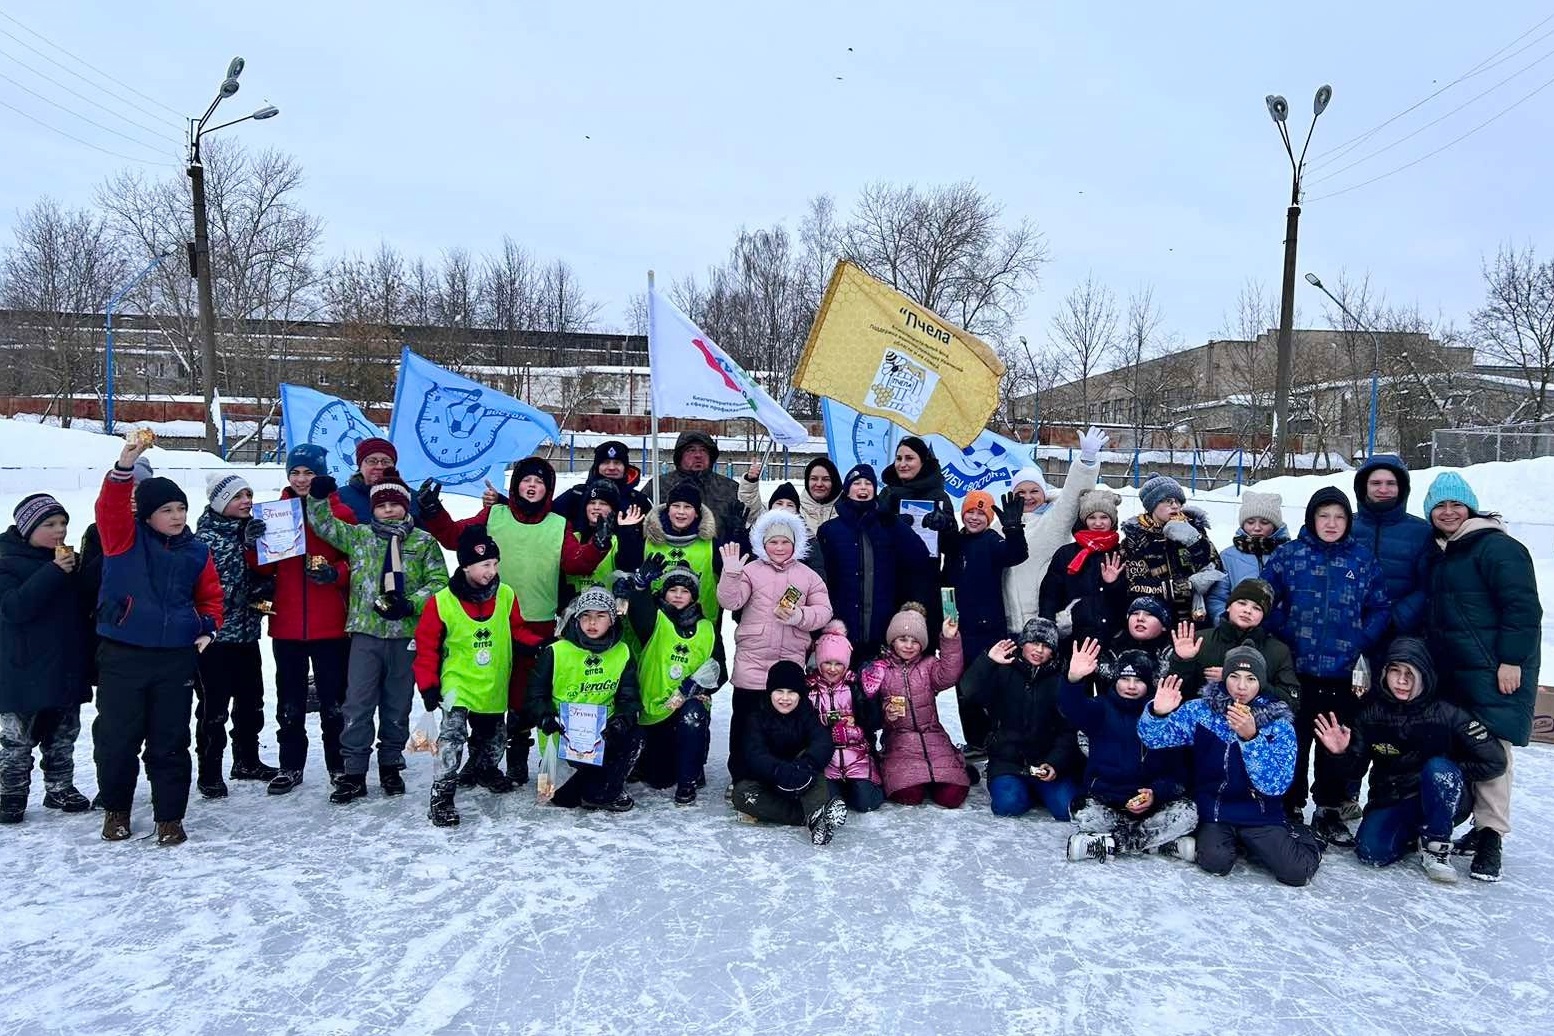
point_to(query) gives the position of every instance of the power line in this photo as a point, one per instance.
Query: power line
(96, 104)
(1366, 183)
(1340, 150)
(1470, 101)
(78, 140)
(88, 64)
(69, 111)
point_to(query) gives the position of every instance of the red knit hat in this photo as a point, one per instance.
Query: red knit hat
(391, 488)
(367, 447)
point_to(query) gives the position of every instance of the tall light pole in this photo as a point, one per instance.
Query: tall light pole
(108, 336)
(1370, 437)
(1279, 109)
(199, 249)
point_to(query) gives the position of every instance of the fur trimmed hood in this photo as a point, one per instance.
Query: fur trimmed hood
(653, 528)
(797, 531)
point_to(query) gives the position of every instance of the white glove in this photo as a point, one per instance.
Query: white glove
(1206, 580)
(1065, 619)
(1091, 444)
(1183, 533)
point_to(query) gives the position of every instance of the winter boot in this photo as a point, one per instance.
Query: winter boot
(620, 805)
(518, 758)
(973, 753)
(442, 812)
(69, 801)
(252, 770)
(213, 788)
(334, 777)
(349, 786)
(1184, 848)
(1467, 845)
(1435, 859)
(116, 826)
(390, 781)
(494, 781)
(1091, 847)
(170, 832)
(284, 781)
(1486, 858)
(12, 808)
(1329, 827)
(973, 775)
(1350, 811)
(825, 820)
(685, 795)
(469, 775)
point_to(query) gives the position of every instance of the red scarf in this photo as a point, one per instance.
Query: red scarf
(1091, 543)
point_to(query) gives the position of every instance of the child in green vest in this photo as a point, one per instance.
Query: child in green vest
(465, 644)
(683, 532)
(679, 666)
(590, 665)
(601, 519)
(395, 569)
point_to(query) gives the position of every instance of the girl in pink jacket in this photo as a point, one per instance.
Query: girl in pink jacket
(853, 716)
(920, 760)
(783, 602)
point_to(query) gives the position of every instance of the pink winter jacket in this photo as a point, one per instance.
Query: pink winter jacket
(762, 640)
(853, 758)
(917, 749)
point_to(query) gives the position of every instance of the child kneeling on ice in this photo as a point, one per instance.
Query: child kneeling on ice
(921, 762)
(781, 774)
(590, 665)
(1243, 758)
(464, 649)
(1135, 798)
(1423, 754)
(854, 717)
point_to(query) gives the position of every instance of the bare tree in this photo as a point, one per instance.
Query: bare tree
(1515, 327)
(1252, 366)
(1150, 378)
(1083, 336)
(562, 306)
(637, 313)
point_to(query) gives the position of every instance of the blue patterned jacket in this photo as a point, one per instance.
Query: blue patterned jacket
(1234, 781)
(1329, 602)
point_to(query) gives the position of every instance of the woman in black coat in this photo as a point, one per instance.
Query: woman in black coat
(1484, 622)
(45, 633)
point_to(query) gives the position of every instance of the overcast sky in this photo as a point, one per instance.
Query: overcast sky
(624, 136)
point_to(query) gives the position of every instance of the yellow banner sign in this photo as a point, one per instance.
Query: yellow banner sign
(880, 353)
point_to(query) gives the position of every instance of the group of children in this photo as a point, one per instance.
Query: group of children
(1148, 704)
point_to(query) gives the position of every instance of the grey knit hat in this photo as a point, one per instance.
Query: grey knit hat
(1247, 659)
(1099, 501)
(1040, 631)
(1158, 489)
(1261, 505)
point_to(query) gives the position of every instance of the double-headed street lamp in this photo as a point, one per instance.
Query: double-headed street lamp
(1370, 438)
(1279, 109)
(199, 249)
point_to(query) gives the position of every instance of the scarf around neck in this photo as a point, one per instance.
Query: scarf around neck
(1091, 543)
(393, 574)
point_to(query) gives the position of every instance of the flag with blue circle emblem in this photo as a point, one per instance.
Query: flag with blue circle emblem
(310, 416)
(989, 463)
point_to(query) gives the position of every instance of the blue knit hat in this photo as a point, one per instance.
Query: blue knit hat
(307, 455)
(1158, 489)
(1449, 485)
(860, 471)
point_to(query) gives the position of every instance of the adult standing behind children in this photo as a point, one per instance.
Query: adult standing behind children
(1398, 539)
(1484, 621)
(375, 457)
(817, 495)
(612, 463)
(695, 464)
(1048, 525)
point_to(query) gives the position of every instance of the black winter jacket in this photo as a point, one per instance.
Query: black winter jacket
(1100, 610)
(1027, 727)
(45, 630)
(974, 564)
(786, 752)
(873, 567)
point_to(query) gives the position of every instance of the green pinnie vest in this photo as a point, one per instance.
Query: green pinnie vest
(587, 677)
(600, 575)
(477, 657)
(531, 559)
(698, 555)
(666, 661)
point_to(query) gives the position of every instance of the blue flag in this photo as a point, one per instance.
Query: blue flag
(989, 463)
(310, 416)
(459, 431)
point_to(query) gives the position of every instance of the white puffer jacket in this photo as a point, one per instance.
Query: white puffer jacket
(1045, 533)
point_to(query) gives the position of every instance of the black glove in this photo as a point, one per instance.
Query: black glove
(938, 521)
(429, 496)
(431, 698)
(323, 487)
(551, 724)
(324, 576)
(649, 572)
(252, 531)
(794, 776)
(619, 726)
(393, 606)
(1013, 510)
(902, 517)
(602, 533)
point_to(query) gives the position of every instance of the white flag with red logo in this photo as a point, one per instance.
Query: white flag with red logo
(692, 377)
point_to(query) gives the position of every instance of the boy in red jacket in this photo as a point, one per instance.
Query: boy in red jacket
(469, 636)
(159, 606)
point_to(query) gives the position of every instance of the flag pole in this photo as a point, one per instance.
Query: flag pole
(652, 393)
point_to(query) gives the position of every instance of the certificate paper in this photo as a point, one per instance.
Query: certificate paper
(920, 509)
(283, 530)
(583, 735)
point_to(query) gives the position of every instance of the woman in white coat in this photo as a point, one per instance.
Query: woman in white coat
(1049, 524)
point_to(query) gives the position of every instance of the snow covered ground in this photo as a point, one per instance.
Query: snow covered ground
(288, 915)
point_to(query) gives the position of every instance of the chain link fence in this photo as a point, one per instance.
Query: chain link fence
(1459, 447)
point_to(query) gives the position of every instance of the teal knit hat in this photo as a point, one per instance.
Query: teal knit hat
(1449, 485)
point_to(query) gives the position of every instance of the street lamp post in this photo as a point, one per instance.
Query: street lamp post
(108, 336)
(199, 249)
(1370, 437)
(1279, 109)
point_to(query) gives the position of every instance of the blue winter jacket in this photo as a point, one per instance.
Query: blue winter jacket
(1241, 564)
(872, 567)
(1330, 602)
(1234, 781)
(1400, 541)
(147, 595)
(974, 564)
(1119, 764)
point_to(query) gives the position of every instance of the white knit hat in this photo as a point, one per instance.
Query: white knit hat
(1262, 505)
(222, 489)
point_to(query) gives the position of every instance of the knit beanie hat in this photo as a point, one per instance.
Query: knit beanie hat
(155, 493)
(1033, 474)
(34, 510)
(977, 500)
(682, 575)
(684, 492)
(1152, 606)
(1261, 505)
(1449, 486)
(614, 449)
(860, 472)
(221, 489)
(307, 455)
(1247, 659)
(1135, 663)
(832, 645)
(141, 471)
(1039, 631)
(367, 447)
(603, 489)
(910, 621)
(785, 491)
(391, 488)
(476, 545)
(1255, 590)
(1158, 489)
(786, 675)
(1098, 501)
(540, 468)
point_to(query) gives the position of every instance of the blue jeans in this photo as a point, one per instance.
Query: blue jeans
(1387, 832)
(861, 796)
(1013, 795)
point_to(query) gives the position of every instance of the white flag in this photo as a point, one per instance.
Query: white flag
(692, 377)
